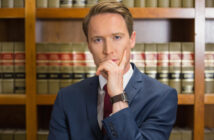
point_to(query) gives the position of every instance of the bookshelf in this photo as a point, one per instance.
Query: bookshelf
(192, 17)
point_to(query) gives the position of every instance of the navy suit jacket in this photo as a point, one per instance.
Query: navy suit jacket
(150, 115)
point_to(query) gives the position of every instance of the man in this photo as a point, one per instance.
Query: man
(142, 108)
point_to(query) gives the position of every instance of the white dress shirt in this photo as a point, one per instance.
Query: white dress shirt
(101, 93)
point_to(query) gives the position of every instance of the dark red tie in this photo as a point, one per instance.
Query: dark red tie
(107, 104)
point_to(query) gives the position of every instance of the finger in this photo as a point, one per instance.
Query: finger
(123, 60)
(104, 67)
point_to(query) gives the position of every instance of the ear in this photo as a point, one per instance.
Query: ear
(133, 39)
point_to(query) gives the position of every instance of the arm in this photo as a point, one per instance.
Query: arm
(58, 127)
(122, 125)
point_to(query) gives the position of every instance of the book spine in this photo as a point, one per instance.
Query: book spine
(42, 134)
(138, 56)
(19, 52)
(66, 3)
(209, 68)
(186, 134)
(151, 3)
(8, 67)
(79, 3)
(90, 3)
(42, 3)
(175, 135)
(53, 4)
(20, 135)
(66, 65)
(54, 67)
(78, 62)
(209, 3)
(187, 68)
(90, 66)
(1, 73)
(175, 3)
(175, 66)
(19, 3)
(7, 134)
(128, 3)
(163, 3)
(42, 68)
(7, 3)
(163, 63)
(139, 3)
(151, 60)
(187, 3)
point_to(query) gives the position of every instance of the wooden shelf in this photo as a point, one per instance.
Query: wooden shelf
(186, 99)
(12, 99)
(209, 99)
(45, 99)
(138, 13)
(12, 13)
(209, 13)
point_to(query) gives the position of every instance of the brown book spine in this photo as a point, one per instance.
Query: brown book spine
(175, 66)
(209, 3)
(140, 3)
(7, 3)
(90, 66)
(79, 3)
(163, 3)
(19, 53)
(138, 56)
(151, 3)
(128, 3)
(1, 74)
(42, 68)
(90, 3)
(175, 3)
(163, 63)
(53, 4)
(42, 3)
(66, 3)
(18, 3)
(187, 68)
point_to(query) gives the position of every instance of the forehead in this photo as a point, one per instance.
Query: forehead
(107, 22)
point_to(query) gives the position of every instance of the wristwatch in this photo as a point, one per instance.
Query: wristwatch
(120, 97)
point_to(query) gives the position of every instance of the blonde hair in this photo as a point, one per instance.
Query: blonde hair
(109, 7)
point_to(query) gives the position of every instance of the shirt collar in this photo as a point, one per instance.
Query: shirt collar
(126, 77)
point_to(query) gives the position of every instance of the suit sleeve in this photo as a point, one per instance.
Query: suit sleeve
(58, 129)
(123, 126)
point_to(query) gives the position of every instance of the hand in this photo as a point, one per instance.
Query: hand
(114, 74)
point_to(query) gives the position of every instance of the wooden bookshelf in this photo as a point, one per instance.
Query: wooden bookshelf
(30, 15)
(137, 13)
(12, 99)
(12, 13)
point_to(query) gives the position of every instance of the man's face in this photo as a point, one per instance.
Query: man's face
(108, 38)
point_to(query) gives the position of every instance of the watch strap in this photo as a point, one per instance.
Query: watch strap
(120, 97)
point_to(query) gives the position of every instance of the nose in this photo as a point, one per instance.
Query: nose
(108, 47)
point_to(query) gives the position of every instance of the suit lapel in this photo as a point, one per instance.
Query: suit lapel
(91, 106)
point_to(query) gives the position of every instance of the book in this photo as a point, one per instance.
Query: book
(175, 3)
(66, 65)
(138, 56)
(1, 74)
(19, 68)
(209, 3)
(66, 3)
(208, 134)
(187, 3)
(7, 3)
(187, 67)
(42, 134)
(18, 3)
(42, 3)
(186, 134)
(78, 62)
(7, 67)
(209, 68)
(90, 65)
(128, 3)
(151, 3)
(163, 63)
(175, 65)
(163, 3)
(42, 68)
(53, 4)
(54, 67)
(20, 135)
(7, 134)
(151, 60)
(175, 134)
(90, 3)
(79, 3)
(139, 3)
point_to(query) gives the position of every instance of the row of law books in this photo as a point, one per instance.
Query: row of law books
(13, 134)
(12, 67)
(128, 3)
(12, 3)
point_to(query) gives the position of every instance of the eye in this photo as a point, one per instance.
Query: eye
(117, 37)
(97, 40)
